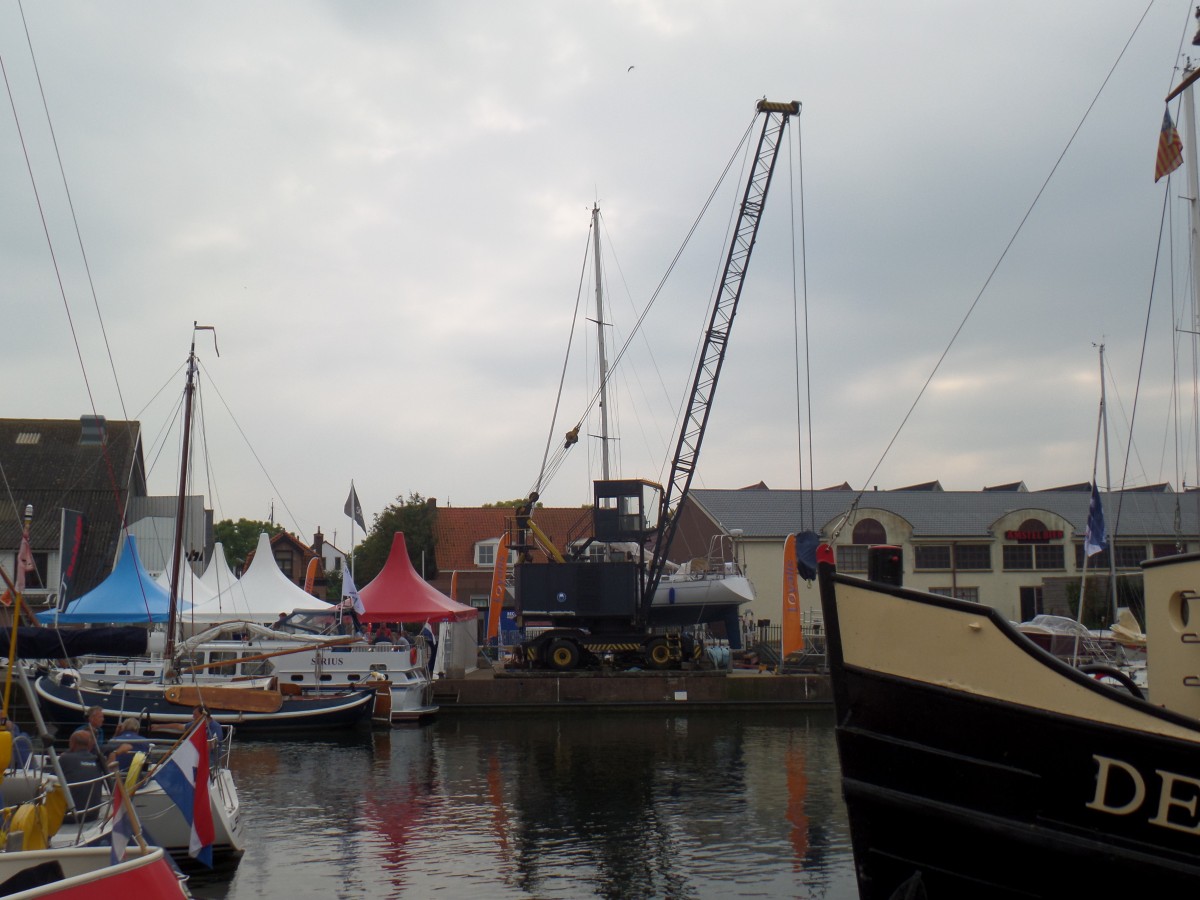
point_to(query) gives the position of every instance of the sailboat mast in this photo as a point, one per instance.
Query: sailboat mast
(1112, 544)
(177, 549)
(1188, 121)
(604, 469)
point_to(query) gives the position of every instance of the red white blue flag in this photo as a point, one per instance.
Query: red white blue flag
(184, 777)
(122, 827)
(1170, 148)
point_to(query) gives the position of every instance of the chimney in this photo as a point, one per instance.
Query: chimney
(432, 501)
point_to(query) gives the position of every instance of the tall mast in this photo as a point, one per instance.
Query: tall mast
(1188, 116)
(1112, 543)
(600, 344)
(189, 391)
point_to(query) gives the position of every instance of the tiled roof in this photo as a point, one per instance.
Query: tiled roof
(45, 463)
(966, 514)
(459, 528)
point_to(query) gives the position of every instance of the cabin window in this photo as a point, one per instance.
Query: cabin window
(148, 673)
(378, 667)
(297, 678)
(354, 676)
(326, 677)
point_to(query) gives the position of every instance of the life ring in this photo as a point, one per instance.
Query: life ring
(135, 771)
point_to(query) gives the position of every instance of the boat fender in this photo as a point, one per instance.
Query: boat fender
(412, 656)
(135, 771)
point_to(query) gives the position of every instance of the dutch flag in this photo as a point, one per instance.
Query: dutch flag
(122, 828)
(184, 777)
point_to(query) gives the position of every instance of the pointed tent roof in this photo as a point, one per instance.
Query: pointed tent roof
(217, 575)
(261, 594)
(399, 594)
(193, 591)
(128, 594)
(226, 599)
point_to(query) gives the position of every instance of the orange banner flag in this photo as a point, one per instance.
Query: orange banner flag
(496, 598)
(793, 626)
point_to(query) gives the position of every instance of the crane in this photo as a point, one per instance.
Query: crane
(602, 608)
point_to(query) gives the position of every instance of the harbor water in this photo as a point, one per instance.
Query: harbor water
(713, 804)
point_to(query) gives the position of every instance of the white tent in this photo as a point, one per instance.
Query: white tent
(262, 593)
(218, 577)
(193, 590)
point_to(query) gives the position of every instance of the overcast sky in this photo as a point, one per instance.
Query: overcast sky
(383, 208)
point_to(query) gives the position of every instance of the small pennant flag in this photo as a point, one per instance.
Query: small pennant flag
(1170, 148)
(354, 508)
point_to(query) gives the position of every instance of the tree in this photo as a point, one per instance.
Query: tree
(240, 537)
(513, 504)
(333, 587)
(415, 518)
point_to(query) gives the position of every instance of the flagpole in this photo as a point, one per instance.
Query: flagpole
(1112, 544)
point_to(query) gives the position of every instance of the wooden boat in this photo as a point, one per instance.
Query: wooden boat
(975, 764)
(86, 873)
(253, 710)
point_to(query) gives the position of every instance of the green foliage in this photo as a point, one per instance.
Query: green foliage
(333, 587)
(510, 504)
(240, 537)
(413, 517)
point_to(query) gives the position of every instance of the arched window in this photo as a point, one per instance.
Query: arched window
(1034, 546)
(852, 557)
(869, 532)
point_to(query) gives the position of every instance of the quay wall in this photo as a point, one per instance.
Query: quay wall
(589, 690)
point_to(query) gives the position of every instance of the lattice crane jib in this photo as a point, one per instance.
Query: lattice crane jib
(716, 339)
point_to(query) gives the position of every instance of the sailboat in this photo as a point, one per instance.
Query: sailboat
(160, 695)
(974, 764)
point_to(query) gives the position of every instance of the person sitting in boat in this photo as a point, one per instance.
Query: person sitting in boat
(128, 741)
(94, 724)
(383, 634)
(85, 775)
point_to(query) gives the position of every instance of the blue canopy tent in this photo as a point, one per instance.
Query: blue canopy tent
(127, 595)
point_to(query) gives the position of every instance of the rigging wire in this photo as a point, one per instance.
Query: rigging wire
(988, 280)
(796, 330)
(542, 476)
(1115, 529)
(551, 466)
(74, 218)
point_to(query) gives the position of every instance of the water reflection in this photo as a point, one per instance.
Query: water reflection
(607, 805)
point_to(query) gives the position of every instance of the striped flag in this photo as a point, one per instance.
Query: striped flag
(122, 827)
(1170, 148)
(184, 777)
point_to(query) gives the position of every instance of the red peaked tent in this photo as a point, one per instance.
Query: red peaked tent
(399, 594)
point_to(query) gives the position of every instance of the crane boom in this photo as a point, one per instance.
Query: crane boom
(716, 338)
